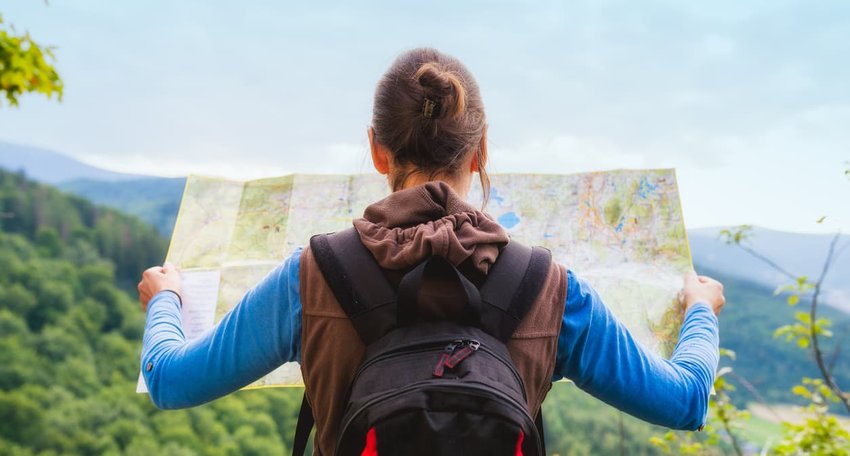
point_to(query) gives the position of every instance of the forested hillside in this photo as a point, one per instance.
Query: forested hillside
(70, 227)
(70, 339)
(154, 200)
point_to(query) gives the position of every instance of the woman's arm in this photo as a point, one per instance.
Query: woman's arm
(600, 355)
(262, 332)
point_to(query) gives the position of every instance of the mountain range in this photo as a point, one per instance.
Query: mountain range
(798, 254)
(156, 200)
(53, 167)
(153, 199)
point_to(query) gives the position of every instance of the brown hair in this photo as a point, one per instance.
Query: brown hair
(428, 112)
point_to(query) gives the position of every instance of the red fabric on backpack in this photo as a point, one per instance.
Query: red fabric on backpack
(519, 443)
(371, 448)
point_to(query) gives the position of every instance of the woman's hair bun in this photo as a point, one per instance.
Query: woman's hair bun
(428, 113)
(443, 92)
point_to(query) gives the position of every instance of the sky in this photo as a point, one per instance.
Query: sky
(749, 101)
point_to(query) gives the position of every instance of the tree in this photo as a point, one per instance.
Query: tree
(26, 67)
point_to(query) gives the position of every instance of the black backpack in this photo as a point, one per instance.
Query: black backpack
(431, 387)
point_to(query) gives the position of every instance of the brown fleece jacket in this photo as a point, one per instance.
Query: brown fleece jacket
(401, 231)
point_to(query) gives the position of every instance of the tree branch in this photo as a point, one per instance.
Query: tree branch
(755, 392)
(768, 262)
(836, 352)
(824, 370)
(735, 445)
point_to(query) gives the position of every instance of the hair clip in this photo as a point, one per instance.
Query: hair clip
(430, 108)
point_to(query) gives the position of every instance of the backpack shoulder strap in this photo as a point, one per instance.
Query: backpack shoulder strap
(303, 427)
(357, 282)
(512, 285)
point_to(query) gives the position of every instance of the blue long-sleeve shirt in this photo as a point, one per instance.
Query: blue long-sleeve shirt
(595, 351)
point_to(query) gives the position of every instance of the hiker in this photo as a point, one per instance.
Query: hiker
(429, 137)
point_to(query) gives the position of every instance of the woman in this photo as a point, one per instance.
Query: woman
(429, 137)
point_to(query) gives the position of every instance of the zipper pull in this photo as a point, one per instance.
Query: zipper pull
(440, 368)
(451, 347)
(469, 347)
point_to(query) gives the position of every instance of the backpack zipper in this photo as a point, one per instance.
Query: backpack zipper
(452, 357)
(430, 346)
(407, 350)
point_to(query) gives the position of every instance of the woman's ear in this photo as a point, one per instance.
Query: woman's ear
(479, 160)
(380, 154)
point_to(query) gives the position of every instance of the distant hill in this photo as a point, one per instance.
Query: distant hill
(71, 226)
(798, 253)
(155, 200)
(53, 167)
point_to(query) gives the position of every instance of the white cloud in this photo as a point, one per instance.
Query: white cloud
(563, 154)
(342, 158)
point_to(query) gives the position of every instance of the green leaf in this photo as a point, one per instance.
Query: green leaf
(820, 220)
(785, 330)
(26, 67)
(793, 300)
(783, 288)
(801, 391)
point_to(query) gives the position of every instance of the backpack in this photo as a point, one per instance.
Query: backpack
(432, 387)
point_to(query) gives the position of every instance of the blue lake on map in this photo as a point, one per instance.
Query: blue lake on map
(508, 220)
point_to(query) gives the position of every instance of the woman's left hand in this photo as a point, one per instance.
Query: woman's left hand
(159, 278)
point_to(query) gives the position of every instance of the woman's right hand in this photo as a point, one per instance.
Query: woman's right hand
(159, 278)
(700, 288)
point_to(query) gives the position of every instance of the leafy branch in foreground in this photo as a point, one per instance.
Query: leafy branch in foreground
(725, 411)
(807, 329)
(819, 433)
(25, 66)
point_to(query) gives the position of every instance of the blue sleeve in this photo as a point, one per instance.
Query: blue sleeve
(600, 355)
(259, 334)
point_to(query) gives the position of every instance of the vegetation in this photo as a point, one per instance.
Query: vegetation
(73, 228)
(766, 368)
(818, 433)
(154, 200)
(25, 66)
(70, 341)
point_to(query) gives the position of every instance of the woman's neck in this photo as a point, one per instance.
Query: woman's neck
(460, 183)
